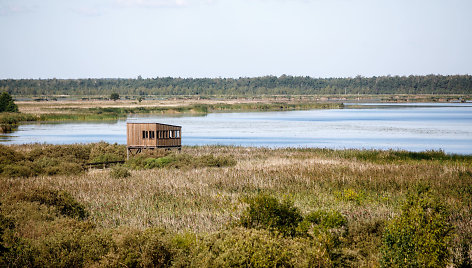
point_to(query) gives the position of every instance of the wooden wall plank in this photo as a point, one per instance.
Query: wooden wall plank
(164, 135)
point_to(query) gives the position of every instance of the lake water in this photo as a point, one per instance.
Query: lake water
(413, 127)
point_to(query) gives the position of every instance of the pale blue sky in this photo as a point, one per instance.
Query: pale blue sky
(233, 38)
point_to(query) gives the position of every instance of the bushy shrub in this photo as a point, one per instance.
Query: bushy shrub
(149, 248)
(17, 170)
(328, 226)
(44, 159)
(155, 153)
(9, 156)
(119, 172)
(158, 162)
(62, 201)
(37, 236)
(75, 153)
(20, 253)
(180, 160)
(420, 236)
(266, 212)
(55, 166)
(240, 247)
(323, 221)
(136, 162)
(327, 218)
(105, 152)
(75, 245)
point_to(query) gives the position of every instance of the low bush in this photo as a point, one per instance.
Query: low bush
(75, 153)
(55, 166)
(10, 156)
(42, 159)
(180, 160)
(421, 235)
(21, 170)
(105, 152)
(149, 248)
(266, 212)
(158, 162)
(318, 221)
(327, 218)
(119, 172)
(62, 201)
(216, 161)
(74, 246)
(240, 247)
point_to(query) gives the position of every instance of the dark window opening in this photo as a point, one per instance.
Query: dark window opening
(151, 134)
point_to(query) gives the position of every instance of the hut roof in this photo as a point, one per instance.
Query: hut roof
(140, 123)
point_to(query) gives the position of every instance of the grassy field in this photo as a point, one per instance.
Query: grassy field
(191, 208)
(175, 105)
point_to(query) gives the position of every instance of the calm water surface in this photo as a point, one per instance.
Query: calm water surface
(412, 127)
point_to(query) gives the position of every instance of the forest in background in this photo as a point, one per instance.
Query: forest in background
(266, 85)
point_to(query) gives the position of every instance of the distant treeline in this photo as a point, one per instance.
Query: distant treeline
(267, 85)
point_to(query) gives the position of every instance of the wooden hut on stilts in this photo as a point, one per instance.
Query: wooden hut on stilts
(142, 136)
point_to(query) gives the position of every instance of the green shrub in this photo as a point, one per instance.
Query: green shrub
(62, 201)
(328, 226)
(105, 152)
(119, 172)
(74, 246)
(150, 248)
(327, 219)
(75, 153)
(9, 156)
(179, 160)
(73, 243)
(420, 236)
(266, 212)
(107, 157)
(44, 160)
(17, 170)
(19, 254)
(137, 162)
(240, 247)
(158, 162)
(36, 235)
(55, 166)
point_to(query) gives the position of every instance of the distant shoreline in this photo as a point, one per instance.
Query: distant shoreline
(80, 108)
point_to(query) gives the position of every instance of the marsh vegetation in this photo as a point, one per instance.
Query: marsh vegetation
(234, 206)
